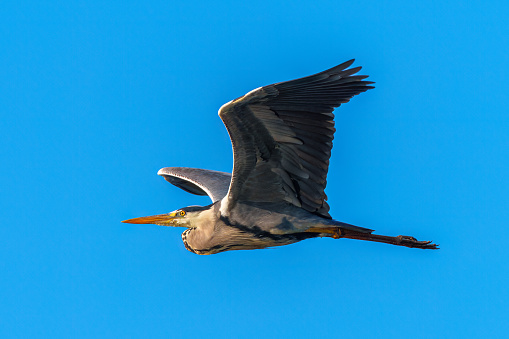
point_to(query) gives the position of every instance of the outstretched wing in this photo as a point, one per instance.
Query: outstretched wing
(282, 138)
(198, 181)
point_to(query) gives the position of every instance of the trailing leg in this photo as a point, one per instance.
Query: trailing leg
(400, 240)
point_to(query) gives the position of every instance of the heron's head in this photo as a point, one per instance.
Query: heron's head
(183, 217)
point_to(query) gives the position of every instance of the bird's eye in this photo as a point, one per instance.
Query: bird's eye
(182, 213)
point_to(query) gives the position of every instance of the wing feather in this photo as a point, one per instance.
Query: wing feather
(282, 138)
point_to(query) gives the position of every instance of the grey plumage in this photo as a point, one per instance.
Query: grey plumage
(282, 139)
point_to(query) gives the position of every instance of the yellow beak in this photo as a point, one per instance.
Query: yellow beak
(159, 219)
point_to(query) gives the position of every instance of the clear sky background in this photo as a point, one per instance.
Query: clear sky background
(96, 96)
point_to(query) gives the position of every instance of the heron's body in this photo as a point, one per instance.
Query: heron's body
(215, 233)
(282, 140)
(276, 224)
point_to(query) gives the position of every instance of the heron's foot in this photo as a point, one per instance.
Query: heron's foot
(408, 241)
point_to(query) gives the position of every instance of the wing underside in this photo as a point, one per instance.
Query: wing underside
(198, 181)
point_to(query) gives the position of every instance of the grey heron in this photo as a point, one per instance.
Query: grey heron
(282, 140)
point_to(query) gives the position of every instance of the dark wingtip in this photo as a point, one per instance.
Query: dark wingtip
(347, 64)
(355, 69)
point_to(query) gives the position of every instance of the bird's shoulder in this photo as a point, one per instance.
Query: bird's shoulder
(256, 96)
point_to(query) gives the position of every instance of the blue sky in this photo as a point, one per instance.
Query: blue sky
(95, 97)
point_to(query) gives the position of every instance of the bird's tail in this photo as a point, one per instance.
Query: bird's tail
(345, 226)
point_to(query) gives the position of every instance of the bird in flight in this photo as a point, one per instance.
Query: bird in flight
(282, 140)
